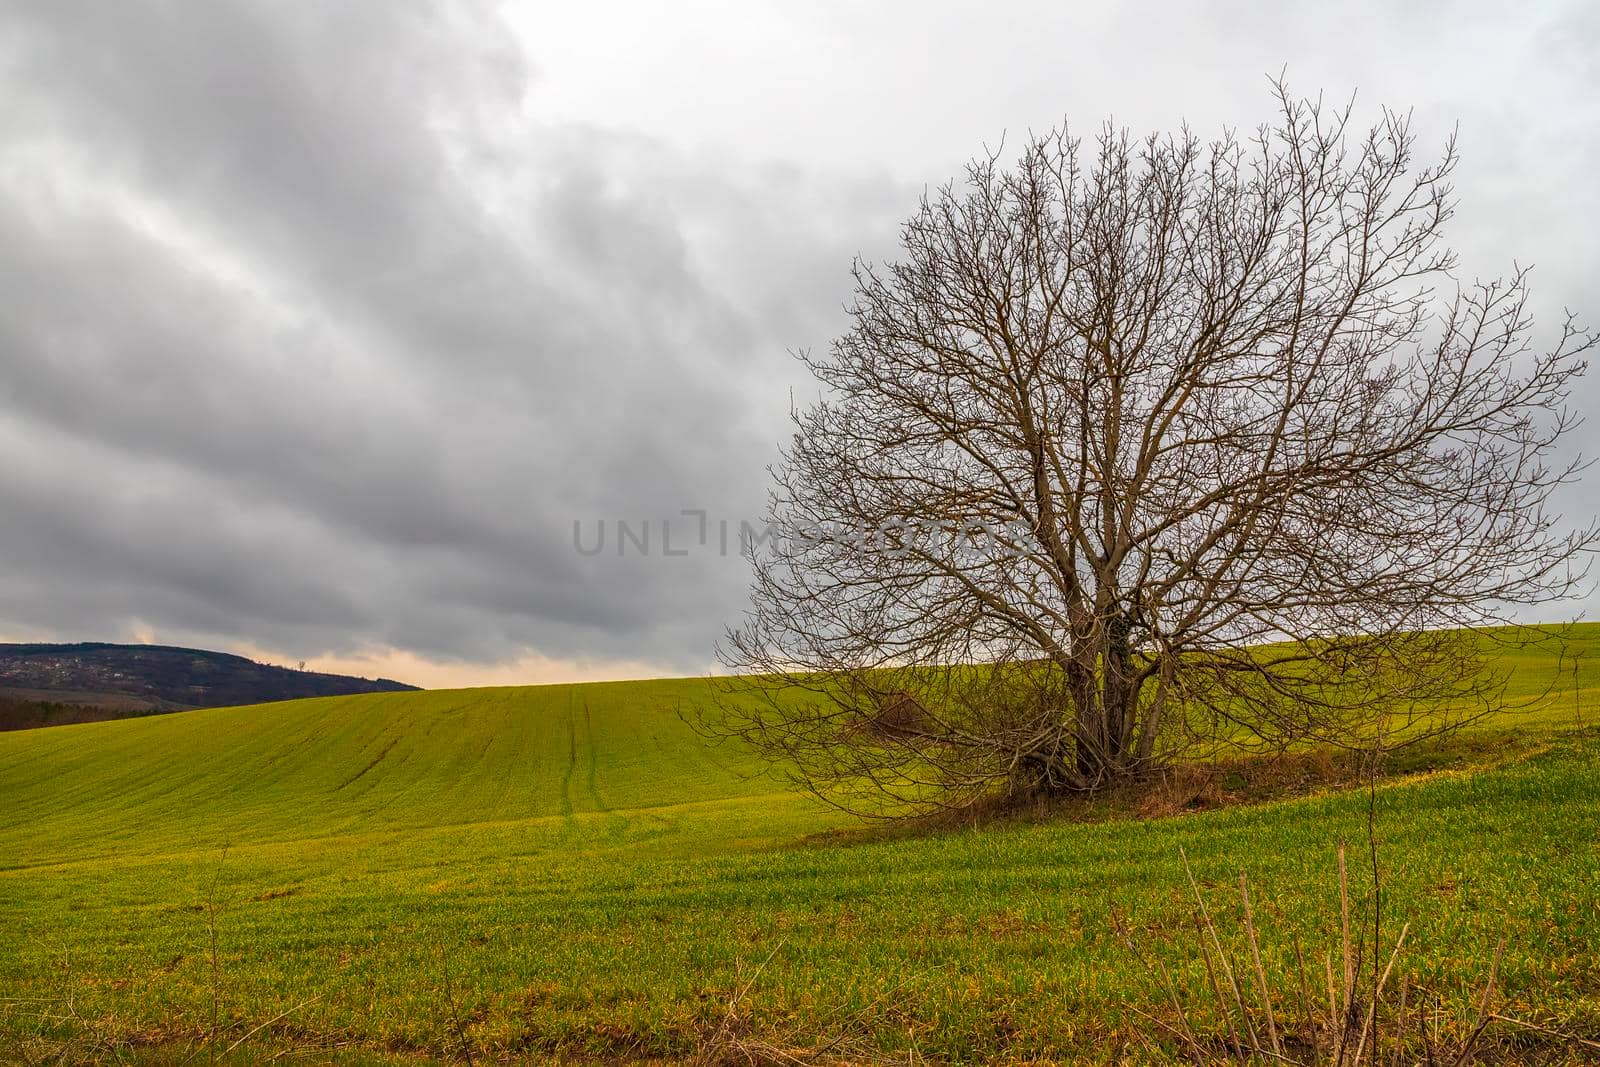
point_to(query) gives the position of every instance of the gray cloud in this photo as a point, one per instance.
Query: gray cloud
(318, 328)
(311, 341)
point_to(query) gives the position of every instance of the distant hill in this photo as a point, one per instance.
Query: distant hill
(43, 685)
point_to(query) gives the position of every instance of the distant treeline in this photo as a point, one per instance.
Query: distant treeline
(18, 714)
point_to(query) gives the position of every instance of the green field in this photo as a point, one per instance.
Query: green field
(570, 872)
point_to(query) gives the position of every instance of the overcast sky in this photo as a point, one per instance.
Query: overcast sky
(322, 323)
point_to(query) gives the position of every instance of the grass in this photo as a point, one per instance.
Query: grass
(570, 872)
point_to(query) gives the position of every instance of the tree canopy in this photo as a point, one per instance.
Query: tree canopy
(1141, 444)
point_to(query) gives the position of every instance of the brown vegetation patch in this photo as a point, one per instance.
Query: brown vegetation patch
(277, 894)
(1190, 788)
(898, 716)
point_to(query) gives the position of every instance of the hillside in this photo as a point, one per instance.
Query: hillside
(525, 874)
(358, 764)
(121, 680)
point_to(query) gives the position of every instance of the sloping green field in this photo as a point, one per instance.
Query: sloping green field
(351, 765)
(570, 871)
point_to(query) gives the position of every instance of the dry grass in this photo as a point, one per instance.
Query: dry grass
(1353, 1003)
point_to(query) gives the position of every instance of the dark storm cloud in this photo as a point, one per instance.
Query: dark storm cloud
(308, 339)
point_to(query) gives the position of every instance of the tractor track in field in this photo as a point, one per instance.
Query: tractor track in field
(572, 759)
(594, 766)
(371, 764)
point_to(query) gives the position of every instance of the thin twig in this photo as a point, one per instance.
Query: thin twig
(1483, 1007)
(1261, 973)
(1222, 957)
(276, 1018)
(1574, 1038)
(1377, 991)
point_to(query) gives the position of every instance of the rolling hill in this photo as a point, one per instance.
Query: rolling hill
(359, 764)
(572, 872)
(124, 680)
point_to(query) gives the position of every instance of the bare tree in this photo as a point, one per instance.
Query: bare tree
(1151, 445)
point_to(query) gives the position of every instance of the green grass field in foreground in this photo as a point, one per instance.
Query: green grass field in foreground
(569, 872)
